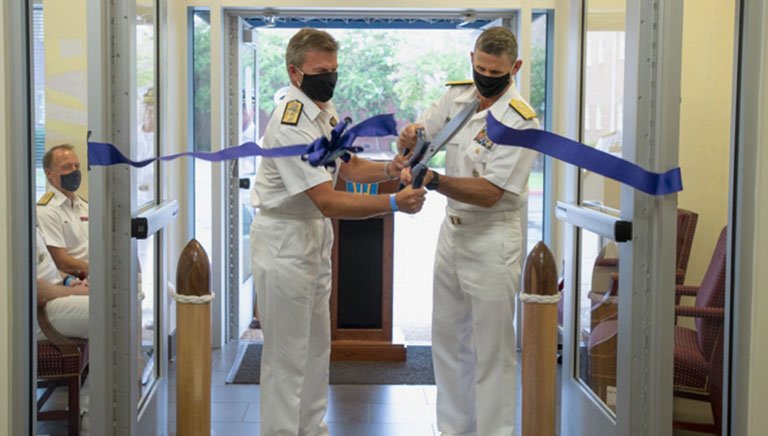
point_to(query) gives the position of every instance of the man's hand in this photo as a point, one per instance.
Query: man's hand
(406, 177)
(395, 166)
(78, 290)
(410, 200)
(407, 138)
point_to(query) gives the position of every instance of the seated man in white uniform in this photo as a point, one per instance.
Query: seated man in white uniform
(65, 296)
(62, 215)
(292, 238)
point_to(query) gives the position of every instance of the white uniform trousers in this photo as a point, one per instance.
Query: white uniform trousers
(292, 274)
(476, 276)
(68, 315)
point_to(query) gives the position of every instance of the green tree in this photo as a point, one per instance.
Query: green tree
(420, 75)
(539, 81)
(202, 85)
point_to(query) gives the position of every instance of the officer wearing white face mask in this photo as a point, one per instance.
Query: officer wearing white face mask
(480, 248)
(62, 215)
(292, 238)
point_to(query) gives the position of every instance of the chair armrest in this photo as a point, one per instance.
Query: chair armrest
(64, 344)
(686, 290)
(608, 261)
(679, 277)
(712, 313)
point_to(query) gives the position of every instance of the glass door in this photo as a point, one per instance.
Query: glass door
(617, 363)
(250, 126)
(128, 228)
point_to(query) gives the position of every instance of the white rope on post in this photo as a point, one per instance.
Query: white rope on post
(194, 299)
(540, 299)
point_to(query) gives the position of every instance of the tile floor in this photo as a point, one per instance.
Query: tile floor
(354, 410)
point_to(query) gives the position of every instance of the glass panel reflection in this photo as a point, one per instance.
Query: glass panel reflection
(602, 122)
(598, 315)
(146, 249)
(145, 100)
(603, 87)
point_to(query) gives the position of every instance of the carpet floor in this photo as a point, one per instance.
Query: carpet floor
(416, 370)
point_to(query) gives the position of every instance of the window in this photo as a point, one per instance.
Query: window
(39, 91)
(541, 52)
(201, 123)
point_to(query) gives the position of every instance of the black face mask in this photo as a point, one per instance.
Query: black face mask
(489, 86)
(319, 87)
(70, 182)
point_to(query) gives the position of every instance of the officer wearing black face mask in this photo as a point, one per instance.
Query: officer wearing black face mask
(479, 250)
(292, 274)
(63, 215)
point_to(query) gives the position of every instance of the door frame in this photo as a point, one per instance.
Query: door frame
(114, 390)
(17, 31)
(644, 355)
(743, 372)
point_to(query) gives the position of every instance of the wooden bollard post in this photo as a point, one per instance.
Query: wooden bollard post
(193, 331)
(539, 342)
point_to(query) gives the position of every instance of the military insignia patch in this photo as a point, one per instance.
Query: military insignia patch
(482, 139)
(292, 112)
(459, 83)
(522, 108)
(333, 122)
(45, 199)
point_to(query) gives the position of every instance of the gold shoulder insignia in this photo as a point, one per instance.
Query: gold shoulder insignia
(292, 112)
(45, 199)
(334, 122)
(460, 83)
(522, 108)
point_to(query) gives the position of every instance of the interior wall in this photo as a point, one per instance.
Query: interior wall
(66, 78)
(5, 278)
(705, 122)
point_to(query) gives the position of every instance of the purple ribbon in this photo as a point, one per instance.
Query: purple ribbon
(322, 151)
(584, 156)
(325, 152)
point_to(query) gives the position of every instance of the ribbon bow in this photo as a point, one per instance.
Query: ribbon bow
(325, 151)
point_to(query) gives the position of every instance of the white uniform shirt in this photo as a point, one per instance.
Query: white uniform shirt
(46, 267)
(281, 182)
(471, 154)
(64, 223)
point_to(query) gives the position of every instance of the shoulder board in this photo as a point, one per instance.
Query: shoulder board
(45, 199)
(292, 112)
(460, 83)
(522, 108)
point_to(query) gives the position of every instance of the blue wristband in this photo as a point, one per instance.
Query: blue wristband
(68, 279)
(392, 202)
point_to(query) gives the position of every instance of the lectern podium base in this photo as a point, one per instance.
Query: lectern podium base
(367, 350)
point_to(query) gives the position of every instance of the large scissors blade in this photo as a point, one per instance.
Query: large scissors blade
(450, 130)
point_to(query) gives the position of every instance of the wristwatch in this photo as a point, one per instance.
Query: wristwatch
(435, 182)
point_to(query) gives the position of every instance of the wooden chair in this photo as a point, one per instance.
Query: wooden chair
(604, 312)
(61, 361)
(686, 229)
(699, 352)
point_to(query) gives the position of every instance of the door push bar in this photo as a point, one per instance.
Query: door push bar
(601, 223)
(151, 220)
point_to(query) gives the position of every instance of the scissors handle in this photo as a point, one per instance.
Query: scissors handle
(419, 172)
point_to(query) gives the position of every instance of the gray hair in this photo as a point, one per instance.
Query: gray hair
(497, 41)
(308, 39)
(48, 156)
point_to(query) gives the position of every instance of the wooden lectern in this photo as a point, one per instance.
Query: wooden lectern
(361, 294)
